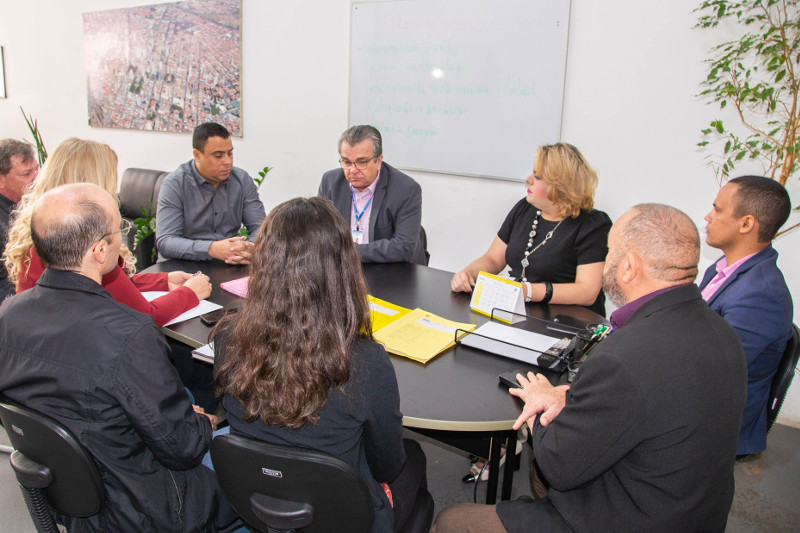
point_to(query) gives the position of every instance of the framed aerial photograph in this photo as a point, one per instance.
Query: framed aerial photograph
(165, 67)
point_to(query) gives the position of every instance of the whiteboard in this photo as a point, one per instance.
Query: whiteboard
(468, 87)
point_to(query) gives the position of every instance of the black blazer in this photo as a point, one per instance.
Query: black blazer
(647, 439)
(71, 352)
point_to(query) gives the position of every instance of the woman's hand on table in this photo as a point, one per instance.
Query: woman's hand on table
(462, 281)
(200, 285)
(177, 278)
(492, 261)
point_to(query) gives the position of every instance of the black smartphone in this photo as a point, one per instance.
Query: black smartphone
(570, 322)
(211, 319)
(509, 379)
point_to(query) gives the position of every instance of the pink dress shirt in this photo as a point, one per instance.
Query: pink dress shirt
(724, 271)
(360, 199)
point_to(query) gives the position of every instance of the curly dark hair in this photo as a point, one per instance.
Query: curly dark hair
(290, 343)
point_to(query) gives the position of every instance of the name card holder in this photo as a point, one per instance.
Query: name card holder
(493, 292)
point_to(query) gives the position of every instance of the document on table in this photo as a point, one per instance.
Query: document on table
(420, 335)
(525, 346)
(384, 313)
(200, 309)
(204, 353)
(236, 286)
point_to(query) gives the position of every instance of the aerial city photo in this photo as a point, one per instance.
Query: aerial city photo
(164, 67)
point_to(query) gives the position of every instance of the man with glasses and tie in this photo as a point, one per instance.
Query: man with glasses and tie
(382, 204)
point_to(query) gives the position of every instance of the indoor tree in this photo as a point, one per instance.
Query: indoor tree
(756, 75)
(33, 125)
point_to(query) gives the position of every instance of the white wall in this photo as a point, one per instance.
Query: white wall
(633, 69)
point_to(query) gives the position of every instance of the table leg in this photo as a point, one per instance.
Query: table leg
(481, 445)
(494, 467)
(509, 438)
(511, 459)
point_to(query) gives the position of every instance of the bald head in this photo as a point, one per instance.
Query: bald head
(67, 222)
(659, 246)
(666, 239)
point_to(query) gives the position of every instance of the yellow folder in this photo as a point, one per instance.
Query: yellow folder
(419, 335)
(384, 313)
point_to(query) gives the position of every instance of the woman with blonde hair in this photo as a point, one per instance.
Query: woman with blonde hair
(553, 240)
(85, 161)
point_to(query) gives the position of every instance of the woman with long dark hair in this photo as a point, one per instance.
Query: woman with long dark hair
(297, 364)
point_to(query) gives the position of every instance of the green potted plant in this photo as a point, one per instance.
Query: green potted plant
(145, 228)
(259, 181)
(33, 125)
(758, 77)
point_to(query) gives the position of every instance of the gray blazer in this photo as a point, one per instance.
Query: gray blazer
(394, 224)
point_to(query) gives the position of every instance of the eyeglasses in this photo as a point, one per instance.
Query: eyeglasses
(125, 227)
(361, 164)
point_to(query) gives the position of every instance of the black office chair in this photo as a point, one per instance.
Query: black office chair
(423, 241)
(139, 189)
(54, 471)
(283, 489)
(783, 377)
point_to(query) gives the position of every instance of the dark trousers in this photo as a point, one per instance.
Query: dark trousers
(195, 375)
(411, 479)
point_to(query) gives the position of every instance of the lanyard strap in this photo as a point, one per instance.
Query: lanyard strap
(355, 209)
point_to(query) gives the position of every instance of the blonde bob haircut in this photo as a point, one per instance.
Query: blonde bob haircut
(571, 182)
(73, 161)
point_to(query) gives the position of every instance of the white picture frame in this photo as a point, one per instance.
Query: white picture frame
(2, 74)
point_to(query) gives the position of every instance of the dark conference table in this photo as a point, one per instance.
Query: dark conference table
(456, 398)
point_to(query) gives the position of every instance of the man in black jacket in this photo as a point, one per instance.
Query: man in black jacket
(71, 352)
(645, 438)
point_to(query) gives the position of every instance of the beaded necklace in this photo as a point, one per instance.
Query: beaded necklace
(531, 235)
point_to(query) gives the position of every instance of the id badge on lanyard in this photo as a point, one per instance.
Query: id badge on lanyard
(358, 233)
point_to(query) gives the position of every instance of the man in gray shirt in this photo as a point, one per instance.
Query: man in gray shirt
(203, 203)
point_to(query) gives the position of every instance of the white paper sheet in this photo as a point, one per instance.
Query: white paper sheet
(383, 310)
(204, 353)
(515, 343)
(200, 309)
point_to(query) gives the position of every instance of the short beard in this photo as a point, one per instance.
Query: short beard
(611, 287)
